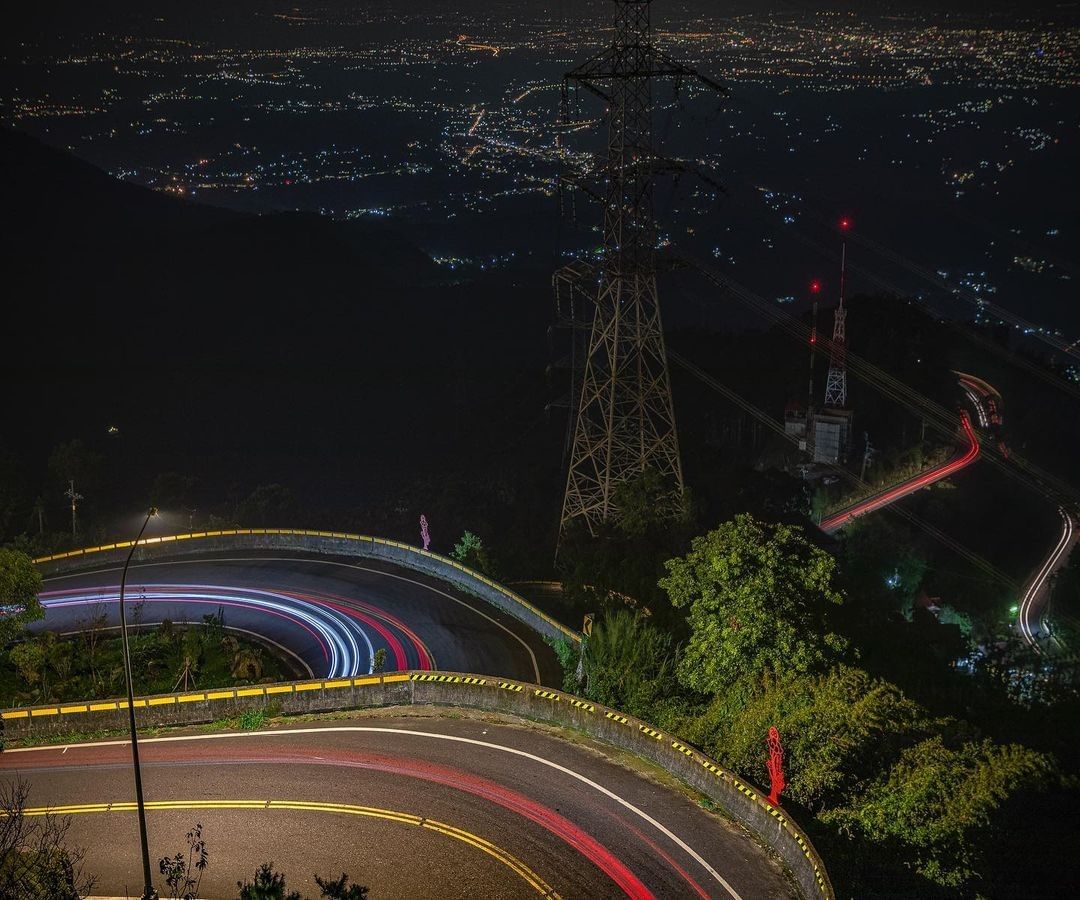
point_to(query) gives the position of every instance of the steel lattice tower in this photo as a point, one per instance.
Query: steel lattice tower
(836, 385)
(625, 419)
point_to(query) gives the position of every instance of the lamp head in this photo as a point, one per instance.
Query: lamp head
(153, 512)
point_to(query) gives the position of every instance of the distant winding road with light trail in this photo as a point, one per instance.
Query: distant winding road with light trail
(1032, 606)
(1036, 594)
(327, 615)
(422, 807)
(890, 495)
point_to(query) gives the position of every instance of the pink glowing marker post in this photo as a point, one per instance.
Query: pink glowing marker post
(425, 536)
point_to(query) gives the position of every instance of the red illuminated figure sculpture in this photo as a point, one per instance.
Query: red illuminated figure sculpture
(775, 765)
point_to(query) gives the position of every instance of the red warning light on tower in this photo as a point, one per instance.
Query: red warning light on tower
(845, 223)
(815, 287)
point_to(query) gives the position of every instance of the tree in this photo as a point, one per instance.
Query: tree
(881, 566)
(172, 490)
(270, 885)
(90, 629)
(12, 491)
(470, 551)
(340, 889)
(20, 583)
(183, 873)
(35, 861)
(937, 802)
(28, 658)
(267, 885)
(629, 664)
(645, 502)
(267, 505)
(757, 595)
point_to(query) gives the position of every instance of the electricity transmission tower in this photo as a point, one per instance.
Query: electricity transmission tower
(624, 418)
(836, 385)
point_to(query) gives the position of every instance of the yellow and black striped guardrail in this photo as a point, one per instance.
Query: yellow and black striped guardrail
(525, 693)
(268, 692)
(359, 539)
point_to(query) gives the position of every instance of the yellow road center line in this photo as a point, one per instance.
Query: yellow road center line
(507, 859)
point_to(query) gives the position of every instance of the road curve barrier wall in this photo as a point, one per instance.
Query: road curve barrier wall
(324, 543)
(741, 800)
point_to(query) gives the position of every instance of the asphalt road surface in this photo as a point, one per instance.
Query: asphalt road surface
(328, 615)
(421, 806)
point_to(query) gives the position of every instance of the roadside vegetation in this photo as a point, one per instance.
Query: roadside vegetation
(88, 665)
(758, 627)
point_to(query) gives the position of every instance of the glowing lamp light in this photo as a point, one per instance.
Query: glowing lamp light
(815, 287)
(845, 223)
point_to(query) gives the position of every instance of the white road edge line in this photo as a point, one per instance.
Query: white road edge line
(427, 734)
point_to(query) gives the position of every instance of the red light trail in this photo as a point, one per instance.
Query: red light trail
(839, 520)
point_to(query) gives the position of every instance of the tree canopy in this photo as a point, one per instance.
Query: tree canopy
(19, 586)
(936, 798)
(757, 595)
(470, 551)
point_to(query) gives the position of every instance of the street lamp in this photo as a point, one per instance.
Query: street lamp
(148, 887)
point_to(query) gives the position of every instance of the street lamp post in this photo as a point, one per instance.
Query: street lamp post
(148, 886)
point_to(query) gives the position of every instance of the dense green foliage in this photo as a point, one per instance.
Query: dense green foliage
(629, 664)
(936, 798)
(756, 595)
(901, 801)
(839, 728)
(45, 667)
(19, 586)
(470, 551)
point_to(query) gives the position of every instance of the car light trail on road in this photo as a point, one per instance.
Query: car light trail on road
(407, 754)
(1029, 611)
(339, 626)
(839, 520)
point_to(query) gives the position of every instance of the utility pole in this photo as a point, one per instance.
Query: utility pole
(75, 498)
(625, 418)
(868, 452)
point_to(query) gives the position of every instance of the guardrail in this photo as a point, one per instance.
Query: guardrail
(333, 543)
(738, 798)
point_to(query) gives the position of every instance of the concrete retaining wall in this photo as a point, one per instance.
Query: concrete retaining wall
(323, 543)
(738, 798)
